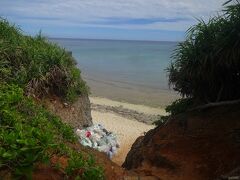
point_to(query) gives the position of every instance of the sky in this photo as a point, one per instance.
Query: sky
(160, 20)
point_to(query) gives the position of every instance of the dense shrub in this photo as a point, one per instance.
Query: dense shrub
(206, 65)
(30, 134)
(38, 66)
(177, 107)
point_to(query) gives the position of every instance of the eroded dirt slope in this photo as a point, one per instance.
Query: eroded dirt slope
(195, 145)
(77, 114)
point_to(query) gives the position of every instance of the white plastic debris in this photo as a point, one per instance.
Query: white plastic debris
(86, 142)
(99, 138)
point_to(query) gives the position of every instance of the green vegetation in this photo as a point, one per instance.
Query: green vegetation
(41, 68)
(206, 66)
(29, 134)
(207, 63)
(177, 107)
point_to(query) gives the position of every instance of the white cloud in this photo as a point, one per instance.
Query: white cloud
(86, 12)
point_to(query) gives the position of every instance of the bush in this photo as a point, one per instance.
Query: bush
(177, 107)
(161, 120)
(30, 134)
(207, 66)
(38, 66)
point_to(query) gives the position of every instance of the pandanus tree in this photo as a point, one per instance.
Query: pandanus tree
(206, 65)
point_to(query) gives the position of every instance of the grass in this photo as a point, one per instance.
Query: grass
(41, 68)
(31, 67)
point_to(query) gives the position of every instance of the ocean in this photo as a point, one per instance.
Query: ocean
(122, 66)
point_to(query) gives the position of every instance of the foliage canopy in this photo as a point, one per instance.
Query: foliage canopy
(206, 65)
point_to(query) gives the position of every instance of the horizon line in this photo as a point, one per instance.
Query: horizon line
(102, 39)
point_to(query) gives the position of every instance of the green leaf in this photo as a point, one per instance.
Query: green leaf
(21, 141)
(227, 2)
(7, 155)
(24, 149)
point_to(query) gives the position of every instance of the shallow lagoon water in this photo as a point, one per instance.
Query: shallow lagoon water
(123, 65)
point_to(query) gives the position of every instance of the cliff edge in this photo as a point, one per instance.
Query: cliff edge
(77, 114)
(194, 145)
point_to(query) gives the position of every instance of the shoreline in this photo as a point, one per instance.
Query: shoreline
(132, 94)
(142, 108)
(140, 113)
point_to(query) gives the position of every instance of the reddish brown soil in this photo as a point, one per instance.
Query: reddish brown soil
(197, 145)
(111, 170)
(192, 146)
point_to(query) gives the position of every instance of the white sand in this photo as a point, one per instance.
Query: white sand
(140, 108)
(127, 131)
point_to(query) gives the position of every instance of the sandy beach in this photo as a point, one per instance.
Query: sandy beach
(136, 107)
(126, 128)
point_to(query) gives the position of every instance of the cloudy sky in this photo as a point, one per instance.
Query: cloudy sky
(109, 19)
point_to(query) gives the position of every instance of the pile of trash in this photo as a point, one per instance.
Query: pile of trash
(99, 138)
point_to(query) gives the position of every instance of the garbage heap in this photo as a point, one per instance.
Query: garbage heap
(99, 138)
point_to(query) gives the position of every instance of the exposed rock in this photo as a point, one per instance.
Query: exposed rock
(77, 114)
(127, 113)
(194, 145)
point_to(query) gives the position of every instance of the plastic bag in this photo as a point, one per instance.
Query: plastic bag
(86, 142)
(99, 138)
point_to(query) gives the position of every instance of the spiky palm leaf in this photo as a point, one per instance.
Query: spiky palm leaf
(207, 64)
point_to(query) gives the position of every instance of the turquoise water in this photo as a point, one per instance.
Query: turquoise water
(132, 63)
